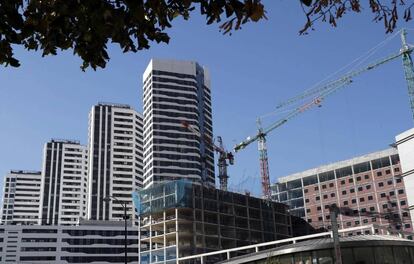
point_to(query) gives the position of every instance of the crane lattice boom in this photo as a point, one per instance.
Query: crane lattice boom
(318, 94)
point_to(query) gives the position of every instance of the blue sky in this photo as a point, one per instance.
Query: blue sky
(252, 70)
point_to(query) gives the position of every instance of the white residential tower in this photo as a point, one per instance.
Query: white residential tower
(64, 183)
(21, 197)
(177, 92)
(115, 161)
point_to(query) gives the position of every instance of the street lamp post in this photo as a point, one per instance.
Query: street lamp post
(123, 203)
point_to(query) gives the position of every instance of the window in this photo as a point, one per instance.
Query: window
(403, 202)
(332, 194)
(397, 169)
(325, 196)
(407, 225)
(374, 219)
(389, 182)
(363, 210)
(383, 195)
(357, 222)
(317, 198)
(358, 178)
(309, 220)
(400, 191)
(308, 210)
(318, 208)
(381, 184)
(405, 214)
(352, 190)
(305, 191)
(368, 187)
(351, 180)
(343, 182)
(345, 202)
(324, 186)
(359, 189)
(306, 200)
(353, 201)
(348, 224)
(316, 188)
(398, 180)
(366, 177)
(365, 221)
(362, 199)
(331, 185)
(385, 206)
(344, 192)
(379, 173)
(320, 218)
(370, 198)
(387, 171)
(392, 193)
(328, 217)
(327, 206)
(372, 208)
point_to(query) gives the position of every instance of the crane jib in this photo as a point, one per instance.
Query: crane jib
(323, 91)
(319, 93)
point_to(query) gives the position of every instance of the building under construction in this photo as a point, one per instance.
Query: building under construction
(182, 218)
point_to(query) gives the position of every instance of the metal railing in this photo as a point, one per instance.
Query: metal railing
(265, 245)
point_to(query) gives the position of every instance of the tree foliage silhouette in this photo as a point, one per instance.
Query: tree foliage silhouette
(87, 26)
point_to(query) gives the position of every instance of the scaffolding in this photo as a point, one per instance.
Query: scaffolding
(182, 218)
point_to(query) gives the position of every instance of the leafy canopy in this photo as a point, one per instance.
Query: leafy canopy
(86, 26)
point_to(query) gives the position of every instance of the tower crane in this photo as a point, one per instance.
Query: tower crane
(224, 155)
(317, 95)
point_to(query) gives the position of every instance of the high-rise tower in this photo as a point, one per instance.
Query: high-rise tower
(115, 160)
(64, 182)
(177, 92)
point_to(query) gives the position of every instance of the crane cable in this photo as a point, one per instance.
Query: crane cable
(356, 62)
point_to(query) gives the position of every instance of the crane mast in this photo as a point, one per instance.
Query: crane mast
(222, 165)
(264, 162)
(408, 69)
(224, 155)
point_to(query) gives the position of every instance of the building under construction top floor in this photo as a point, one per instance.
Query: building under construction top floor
(182, 218)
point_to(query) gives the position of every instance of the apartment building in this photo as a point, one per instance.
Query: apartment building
(177, 92)
(368, 190)
(64, 182)
(21, 197)
(89, 242)
(115, 160)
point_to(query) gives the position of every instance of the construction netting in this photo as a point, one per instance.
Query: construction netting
(173, 194)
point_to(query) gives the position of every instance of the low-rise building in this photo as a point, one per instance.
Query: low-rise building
(368, 190)
(89, 242)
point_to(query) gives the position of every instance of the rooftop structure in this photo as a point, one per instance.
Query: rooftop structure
(367, 249)
(182, 218)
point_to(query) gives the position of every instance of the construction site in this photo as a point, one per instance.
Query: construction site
(188, 222)
(182, 218)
